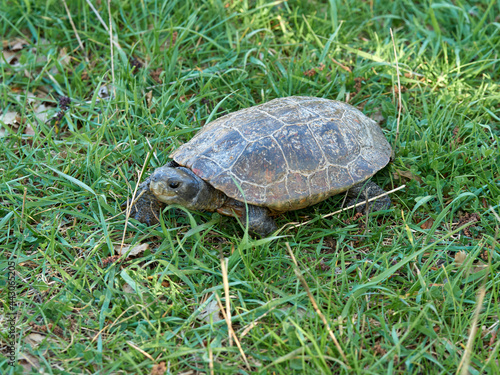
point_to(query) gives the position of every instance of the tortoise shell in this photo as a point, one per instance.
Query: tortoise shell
(288, 153)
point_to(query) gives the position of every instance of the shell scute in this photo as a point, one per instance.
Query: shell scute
(339, 177)
(338, 144)
(261, 163)
(300, 148)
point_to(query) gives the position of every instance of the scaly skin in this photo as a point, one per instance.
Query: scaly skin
(367, 190)
(172, 184)
(147, 208)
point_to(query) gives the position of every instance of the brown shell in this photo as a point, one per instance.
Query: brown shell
(288, 153)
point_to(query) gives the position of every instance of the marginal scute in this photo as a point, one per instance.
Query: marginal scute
(288, 153)
(340, 178)
(205, 168)
(253, 193)
(277, 196)
(361, 169)
(297, 184)
(229, 182)
(187, 153)
(319, 180)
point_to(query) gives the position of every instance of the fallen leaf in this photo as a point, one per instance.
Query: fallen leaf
(132, 250)
(28, 361)
(9, 119)
(427, 224)
(11, 57)
(64, 57)
(461, 257)
(169, 42)
(110, 260)
(468, 218)
(103, 92)
(28, 130)
(34, 339)
(164, 283)
(27, 97)
(42, 112)
(377, 117)
(155, 75)
(407, 174)
(149, 97)
(128, 289)
(17, 44)
(210, 310)
(310, 73)
(159, 369)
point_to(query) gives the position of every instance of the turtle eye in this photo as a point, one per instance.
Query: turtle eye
(174, 184)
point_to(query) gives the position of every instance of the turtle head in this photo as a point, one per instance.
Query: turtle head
(175, 185)
(181, 186)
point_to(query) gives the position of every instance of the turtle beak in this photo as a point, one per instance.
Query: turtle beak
(163, 185)
(171, 185)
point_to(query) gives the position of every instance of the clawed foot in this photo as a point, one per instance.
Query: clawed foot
(146, 209)
(366, 190)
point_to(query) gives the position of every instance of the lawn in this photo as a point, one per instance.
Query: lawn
(95, 96)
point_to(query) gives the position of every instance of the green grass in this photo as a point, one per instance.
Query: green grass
(388, 286)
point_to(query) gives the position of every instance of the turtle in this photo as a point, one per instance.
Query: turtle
(283, 155)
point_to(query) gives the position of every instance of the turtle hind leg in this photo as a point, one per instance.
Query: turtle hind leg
(259, 220)
(366, 190)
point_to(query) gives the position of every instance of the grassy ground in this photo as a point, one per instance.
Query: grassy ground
(412, 290)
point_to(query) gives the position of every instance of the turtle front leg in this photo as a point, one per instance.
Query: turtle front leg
(259, 220)
(146, 209)
(367, 190)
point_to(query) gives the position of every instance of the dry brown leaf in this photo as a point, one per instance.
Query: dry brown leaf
(377, 117)
(169, 42)
(407, 174)
(159, 369)
(28, 361)
(16, 44)
(132, 250)
(149, 97)
(28, 130)
(34, 339)
(11, 57)
(461, 257)
(128, 289)
(110, 260)
(103, 92)
(213, 310)
(468, 218)
(9, 119)
(155, 74)
(27, 97)
(165, 283)
(64, 57)
(427, 224)
(42, 112)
